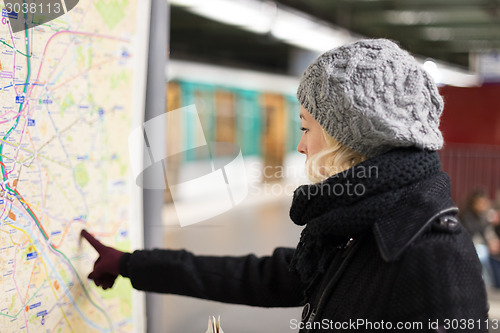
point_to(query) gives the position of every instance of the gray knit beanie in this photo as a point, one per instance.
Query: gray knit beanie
(373, 96)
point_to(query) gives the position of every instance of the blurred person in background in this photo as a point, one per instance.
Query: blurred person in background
(477, 218)
(494, 214)
(381, 241)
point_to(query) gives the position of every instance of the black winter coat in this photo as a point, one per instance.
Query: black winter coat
(391, 259)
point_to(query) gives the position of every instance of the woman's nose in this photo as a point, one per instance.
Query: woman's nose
(301, 147)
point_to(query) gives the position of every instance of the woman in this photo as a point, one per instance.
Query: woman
(474, 217)
(381, 248)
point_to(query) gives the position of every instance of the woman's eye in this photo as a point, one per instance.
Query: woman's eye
(303, 129)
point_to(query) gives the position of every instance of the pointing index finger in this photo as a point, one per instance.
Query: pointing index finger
(98, 246)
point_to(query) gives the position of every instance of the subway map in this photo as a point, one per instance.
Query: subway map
(66, 96)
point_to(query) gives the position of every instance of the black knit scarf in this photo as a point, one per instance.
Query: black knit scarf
(350, 203)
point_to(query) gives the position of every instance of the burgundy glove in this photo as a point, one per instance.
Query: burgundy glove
(106, 267)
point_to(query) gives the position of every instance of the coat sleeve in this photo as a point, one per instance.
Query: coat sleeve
(249, 280)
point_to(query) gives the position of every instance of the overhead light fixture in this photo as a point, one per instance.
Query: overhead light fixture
(438, 34)
(265, 17)
(303, 32)
(254, 16)
(431, 68)
(409, 17)
(446, 75)
(186, 3)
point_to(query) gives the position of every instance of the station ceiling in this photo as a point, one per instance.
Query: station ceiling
(445, 30)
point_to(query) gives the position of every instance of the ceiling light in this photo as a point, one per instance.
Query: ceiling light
(409, 17)
(431, 68)
(186, 3)
(246, 14)
(264, 16)
(447, 75)
(438, 34)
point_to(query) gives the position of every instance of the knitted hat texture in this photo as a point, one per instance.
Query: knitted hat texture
(373, 96)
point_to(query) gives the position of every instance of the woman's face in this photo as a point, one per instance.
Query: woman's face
(312, 140)
(481, 205)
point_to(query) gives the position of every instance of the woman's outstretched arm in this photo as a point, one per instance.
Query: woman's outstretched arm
(250, 280)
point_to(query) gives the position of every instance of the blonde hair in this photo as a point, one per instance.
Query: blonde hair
(333, 159)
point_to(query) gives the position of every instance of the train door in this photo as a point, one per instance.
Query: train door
(174, 136)
(273, 136)
(225, 125)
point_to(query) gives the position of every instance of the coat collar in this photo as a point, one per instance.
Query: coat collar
(395, 201)
(408, 218)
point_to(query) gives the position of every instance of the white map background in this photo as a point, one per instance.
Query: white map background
(66, 100)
